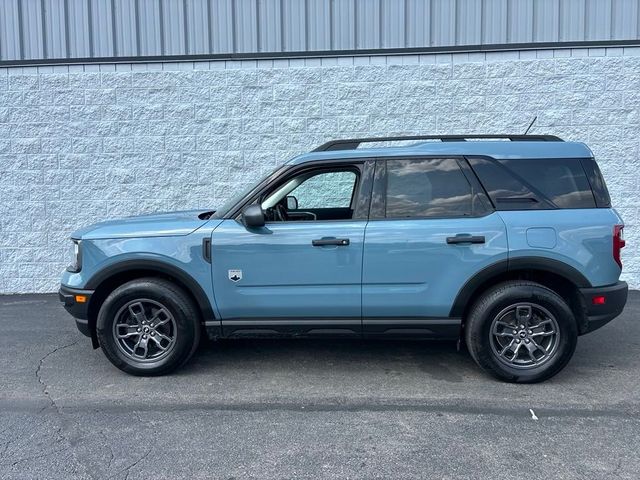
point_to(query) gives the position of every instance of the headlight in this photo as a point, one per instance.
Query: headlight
(75, 257)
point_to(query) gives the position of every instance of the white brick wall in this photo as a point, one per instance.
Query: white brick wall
(80, 144)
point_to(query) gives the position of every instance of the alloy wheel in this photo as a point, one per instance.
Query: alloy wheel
(524, 335)
(145, 330)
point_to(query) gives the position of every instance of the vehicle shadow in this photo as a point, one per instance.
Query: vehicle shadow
(439, 359)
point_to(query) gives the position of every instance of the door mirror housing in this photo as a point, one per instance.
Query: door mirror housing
(253, 216)
(292, 202)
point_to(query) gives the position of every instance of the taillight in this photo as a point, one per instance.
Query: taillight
(618, 243)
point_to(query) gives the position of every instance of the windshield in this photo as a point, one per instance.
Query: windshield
(233, 201)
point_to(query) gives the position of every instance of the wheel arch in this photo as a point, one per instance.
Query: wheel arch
(554, 274)
(106, 280)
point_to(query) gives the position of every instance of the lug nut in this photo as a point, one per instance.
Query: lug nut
(139, 329)
(518, 341)
(526, 341)
(521, 326)
(153, 333)
(144, 336)
(515, 332)
(530, 332)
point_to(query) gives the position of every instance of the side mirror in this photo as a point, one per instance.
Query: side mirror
(292, 202)
(253, 216)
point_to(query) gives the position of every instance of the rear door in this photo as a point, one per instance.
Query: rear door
(431, 229)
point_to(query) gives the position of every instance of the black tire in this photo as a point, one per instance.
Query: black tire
(514, 298)
(141, 296)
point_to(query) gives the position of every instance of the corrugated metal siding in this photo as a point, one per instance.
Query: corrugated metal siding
(57, 29)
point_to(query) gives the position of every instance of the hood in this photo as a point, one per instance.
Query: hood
(155, 225)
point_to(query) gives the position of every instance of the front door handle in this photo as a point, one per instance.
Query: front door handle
(463, 238)
(323, 242)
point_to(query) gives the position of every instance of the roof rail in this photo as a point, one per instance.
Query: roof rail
(353, 143)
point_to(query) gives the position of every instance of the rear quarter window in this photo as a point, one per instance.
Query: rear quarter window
(523, 184)
(598, 186)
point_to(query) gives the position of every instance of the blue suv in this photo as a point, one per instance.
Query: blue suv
(508, 243)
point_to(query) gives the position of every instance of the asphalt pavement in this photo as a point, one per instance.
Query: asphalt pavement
(310, 409)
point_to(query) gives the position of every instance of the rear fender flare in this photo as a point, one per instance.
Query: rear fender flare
(540, 264)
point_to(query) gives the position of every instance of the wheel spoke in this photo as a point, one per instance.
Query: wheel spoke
(515, 352)
(161, 317)
(504, 334)
(531, 348)
(507, 348)
(506, 324)
(158, 338)
(131, 330)
(539, 347)
(142, 344)
(541, 323)
(523, 314)
(137, 312)
(543, 334)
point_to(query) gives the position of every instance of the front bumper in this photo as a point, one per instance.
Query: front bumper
(615, 298)
(78, 309)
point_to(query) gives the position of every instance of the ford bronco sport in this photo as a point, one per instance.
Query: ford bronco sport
(507, 243)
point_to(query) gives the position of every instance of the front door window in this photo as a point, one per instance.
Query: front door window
(313, 195)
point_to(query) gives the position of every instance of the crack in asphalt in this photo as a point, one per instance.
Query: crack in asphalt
(45, 387)
(54, 406)
(5, 447)
(40, 455)
(111, 454)
(127, 470)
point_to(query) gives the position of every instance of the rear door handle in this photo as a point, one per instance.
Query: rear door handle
(323, 242)
(462, 238)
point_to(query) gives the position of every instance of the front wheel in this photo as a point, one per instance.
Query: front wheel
(148, 326)
(521, 332)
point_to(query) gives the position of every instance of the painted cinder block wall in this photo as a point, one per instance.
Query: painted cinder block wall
(80, 144)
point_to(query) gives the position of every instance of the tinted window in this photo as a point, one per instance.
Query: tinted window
(596, 180)
(562, 181)
(506, 192)
(534, 184)
(427, 188)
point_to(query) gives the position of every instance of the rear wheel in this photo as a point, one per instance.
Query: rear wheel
(148, 327)
(521, 332)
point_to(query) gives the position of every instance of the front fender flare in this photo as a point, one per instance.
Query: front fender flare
(152, 266)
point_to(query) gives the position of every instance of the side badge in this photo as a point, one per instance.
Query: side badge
(235, 275)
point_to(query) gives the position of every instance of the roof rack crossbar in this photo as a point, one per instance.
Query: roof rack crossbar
(353, 143)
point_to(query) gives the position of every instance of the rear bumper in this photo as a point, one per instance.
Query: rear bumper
(615, 298)
(78, 310)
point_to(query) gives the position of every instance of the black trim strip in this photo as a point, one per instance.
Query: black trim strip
(206, 249)
(411, 321)
(502, 47)
(290, 321)
(392, 327)
(353, 143)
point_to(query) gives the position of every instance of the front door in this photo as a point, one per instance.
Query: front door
(301, 273)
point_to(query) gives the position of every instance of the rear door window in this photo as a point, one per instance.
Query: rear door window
(434, 187)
